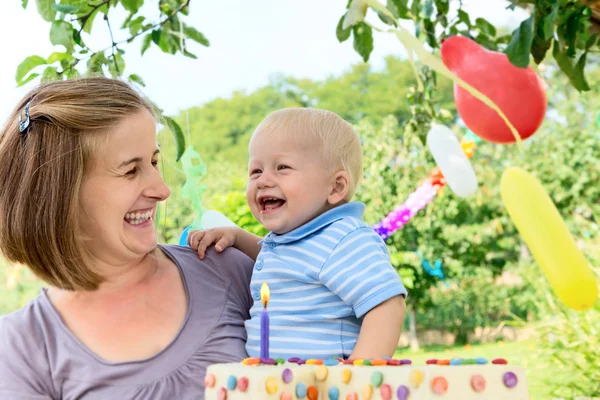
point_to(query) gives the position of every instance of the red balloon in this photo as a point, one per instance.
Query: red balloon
(518, 92)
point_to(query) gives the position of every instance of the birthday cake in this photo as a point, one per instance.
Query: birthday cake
(464, 379)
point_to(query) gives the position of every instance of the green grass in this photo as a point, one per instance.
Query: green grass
(539, 369)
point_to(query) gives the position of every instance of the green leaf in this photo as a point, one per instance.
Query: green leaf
(97, 62)
(156, 34)
(464, 17)
(520, 45)
(90, 22)
(429, 28)
(485, 27)
(575, 74)
(24, 3)
(195, 35)
(65, 8)
(26, 66)
(363, 40)
(547, 22)
(146, 43)
(137, 79)
(45, 9)
(58, 56)
(427, 10)
(399, 8)
(341, 33)
(132, 5)
(190, 55)
(116, 66)
(443, 6)
(136, 25)
(178, 133)
(61, 33)
(49, 74)
(29, 78)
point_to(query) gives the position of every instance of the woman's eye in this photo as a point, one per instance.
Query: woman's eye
(155, 163)
(131, 172)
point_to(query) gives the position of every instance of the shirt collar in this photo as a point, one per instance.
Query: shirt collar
(352, 209)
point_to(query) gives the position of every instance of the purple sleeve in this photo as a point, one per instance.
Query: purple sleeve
(24, 370)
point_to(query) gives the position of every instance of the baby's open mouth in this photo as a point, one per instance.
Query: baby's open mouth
(269, 204)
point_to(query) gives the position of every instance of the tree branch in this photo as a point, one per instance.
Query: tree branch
(113, 46)
(84, 18)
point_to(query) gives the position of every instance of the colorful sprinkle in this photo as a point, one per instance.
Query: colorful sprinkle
(251, 361)
(443, 362)
(346, 375)
(321, 373)
(386, 392)
(331, 362)
(285, 396)
(455, 361)
(510, 379)
(222, 393)
(231, 382)
(394, 362)
(300, 362)
(405, 362)
(349, 361)
(287, 375)
(210, 380)
(376, 379)
(268, 361)
(439, 385)
(300, 391)
(279, 361)
(500, 361)
(378, 361)
(416, 377)
(352, 396)
(478, 383)
(469, 361)
(367, 392)
(431, 361)
(334, 393)
(367, 362)
(293, 359)
(312, 393)
(271, 385)
(242, 384)
(358, 362)
(481, 360)
(402, 392)
(311, 361)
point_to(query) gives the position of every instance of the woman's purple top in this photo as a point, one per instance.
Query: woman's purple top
(41, 359)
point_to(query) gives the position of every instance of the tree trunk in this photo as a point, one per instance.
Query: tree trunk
(412, 323)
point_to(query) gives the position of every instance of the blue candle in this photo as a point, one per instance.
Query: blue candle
(264, 321)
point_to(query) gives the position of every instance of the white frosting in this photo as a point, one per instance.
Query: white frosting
(458, 379)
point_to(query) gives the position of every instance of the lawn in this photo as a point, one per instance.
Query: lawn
(538, 367)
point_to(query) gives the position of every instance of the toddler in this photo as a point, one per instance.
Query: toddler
(333, 290)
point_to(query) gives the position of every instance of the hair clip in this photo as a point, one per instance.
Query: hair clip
(24, 125)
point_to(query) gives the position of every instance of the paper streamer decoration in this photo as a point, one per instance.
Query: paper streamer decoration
(452, 161)
(518, 92)
(194, 170)
(548, 239)
(210, 219)
(419, 199)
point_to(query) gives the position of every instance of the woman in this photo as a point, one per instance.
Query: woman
(123, 317)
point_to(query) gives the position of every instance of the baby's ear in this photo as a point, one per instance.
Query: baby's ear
(340, 187)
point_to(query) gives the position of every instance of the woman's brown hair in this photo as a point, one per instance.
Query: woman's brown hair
(42, 168)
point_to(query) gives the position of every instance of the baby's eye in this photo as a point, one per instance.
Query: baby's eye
(279, 168)
(255, 171)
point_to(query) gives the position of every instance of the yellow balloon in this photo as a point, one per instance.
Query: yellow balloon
(548, 239)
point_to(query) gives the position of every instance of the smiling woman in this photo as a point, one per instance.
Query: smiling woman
(123, 317)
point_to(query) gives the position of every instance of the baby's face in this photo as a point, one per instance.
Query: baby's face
(288, 183)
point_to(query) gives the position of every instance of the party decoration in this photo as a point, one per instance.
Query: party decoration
(432, 271)
(518, 92)
(452, 161)
(548, 239)
(209, 219)
(194, 170)
(264, 321)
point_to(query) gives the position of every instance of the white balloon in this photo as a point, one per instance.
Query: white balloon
(452, 161)
(214, 219)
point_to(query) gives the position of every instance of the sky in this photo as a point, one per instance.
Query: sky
(251, 41)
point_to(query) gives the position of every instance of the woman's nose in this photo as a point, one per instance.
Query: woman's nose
(157, 188)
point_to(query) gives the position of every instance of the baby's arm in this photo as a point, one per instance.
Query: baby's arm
(224, 237)
(381, 330)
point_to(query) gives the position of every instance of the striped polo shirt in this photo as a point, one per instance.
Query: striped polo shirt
(323, 277)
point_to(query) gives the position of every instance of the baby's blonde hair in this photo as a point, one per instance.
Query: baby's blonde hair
(339, 143)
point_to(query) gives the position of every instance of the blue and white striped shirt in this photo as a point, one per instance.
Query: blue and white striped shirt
(323, 277)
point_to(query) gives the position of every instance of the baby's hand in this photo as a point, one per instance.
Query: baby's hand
(222, 237)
